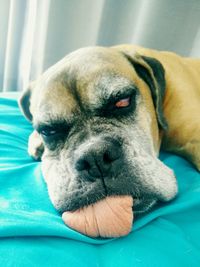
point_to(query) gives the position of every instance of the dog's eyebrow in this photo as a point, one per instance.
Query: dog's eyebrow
(58, 124)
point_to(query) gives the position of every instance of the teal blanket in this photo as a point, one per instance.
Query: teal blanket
(32, 232)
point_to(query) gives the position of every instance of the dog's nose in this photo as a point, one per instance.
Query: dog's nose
(98, 159)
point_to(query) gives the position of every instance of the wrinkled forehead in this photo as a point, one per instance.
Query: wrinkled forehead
(73, 97)
(82, 81)
(99, 89)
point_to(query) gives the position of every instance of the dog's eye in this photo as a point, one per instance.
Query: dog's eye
(48, 132)
(123, 103)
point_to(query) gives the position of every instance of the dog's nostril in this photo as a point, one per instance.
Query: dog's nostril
(107, 158)
(82, 165)
(111, 155)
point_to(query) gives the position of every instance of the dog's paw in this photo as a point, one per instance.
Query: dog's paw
(35, 145)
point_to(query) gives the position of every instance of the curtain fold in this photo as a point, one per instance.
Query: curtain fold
(34, 34)
(12, 33)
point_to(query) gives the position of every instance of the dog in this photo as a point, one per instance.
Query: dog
(101, 115)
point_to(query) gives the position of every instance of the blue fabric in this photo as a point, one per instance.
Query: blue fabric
(33, 234)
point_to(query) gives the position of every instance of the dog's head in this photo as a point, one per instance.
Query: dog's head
(99, 111)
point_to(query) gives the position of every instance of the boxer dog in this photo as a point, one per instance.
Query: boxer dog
(101, 115)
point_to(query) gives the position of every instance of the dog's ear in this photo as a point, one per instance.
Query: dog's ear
(152, 72)
(24, 101)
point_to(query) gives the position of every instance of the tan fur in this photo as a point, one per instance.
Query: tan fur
(120, 65)
(56, 90)
(73, 93)
(181, 102)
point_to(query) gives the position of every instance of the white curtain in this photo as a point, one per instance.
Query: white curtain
(34, 34)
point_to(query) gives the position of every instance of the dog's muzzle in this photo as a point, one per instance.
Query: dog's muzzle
(100, 159)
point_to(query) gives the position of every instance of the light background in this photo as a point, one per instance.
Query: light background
(34, 34)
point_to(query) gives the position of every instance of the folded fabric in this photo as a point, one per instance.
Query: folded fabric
(32, 232)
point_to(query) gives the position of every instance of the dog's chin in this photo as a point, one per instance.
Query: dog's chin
(75, 202)
(98, 190)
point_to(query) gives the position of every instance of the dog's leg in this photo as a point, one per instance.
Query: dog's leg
(35, 145)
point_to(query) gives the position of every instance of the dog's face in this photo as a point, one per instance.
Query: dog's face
(95, 113)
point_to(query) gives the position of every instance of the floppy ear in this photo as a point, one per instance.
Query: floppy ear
(152, 72)
(24, 102)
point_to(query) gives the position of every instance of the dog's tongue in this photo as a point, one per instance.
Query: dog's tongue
(110, 217)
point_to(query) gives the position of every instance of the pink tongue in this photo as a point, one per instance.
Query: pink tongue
(110, 217)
